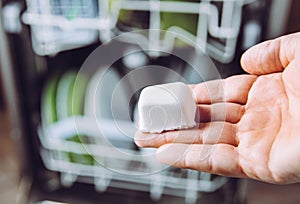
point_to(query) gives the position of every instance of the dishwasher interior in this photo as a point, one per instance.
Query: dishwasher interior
(77, 70)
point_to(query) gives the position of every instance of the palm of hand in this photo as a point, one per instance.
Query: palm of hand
(268, 132)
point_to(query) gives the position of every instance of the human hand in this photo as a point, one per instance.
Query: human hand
(249, 125)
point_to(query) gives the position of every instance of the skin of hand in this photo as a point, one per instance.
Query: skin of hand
(248, 125)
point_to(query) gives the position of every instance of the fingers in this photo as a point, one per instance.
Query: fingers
(205, 133)
(229, 112)
(234, 89)
(221, 159)
(271, 56)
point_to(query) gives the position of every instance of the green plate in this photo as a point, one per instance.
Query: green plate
(63, 97)
(48, 102)
(64, 92)
(76, 98)
(77, 95)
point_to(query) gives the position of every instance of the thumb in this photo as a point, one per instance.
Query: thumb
(271, 56)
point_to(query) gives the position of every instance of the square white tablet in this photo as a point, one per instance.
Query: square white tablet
(166, 107)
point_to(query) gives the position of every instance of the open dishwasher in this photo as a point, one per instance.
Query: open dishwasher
(74, 72)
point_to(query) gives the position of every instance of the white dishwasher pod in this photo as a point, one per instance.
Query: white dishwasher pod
(166, 107)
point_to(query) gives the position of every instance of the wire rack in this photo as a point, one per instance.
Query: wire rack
(59, 25)
(134, 168)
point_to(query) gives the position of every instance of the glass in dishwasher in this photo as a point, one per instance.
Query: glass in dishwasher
(54, 24)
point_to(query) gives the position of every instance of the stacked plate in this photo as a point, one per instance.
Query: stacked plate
(76, 111)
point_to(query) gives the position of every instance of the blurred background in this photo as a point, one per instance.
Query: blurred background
(46, 81)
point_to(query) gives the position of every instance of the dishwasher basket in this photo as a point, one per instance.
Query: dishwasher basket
(182, 183)
(98, 151)
(58, 25)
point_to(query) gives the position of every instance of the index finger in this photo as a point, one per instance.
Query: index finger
(234, 89)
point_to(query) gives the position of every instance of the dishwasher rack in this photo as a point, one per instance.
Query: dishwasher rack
(86, 146)
(133, 169)
(62, 25)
